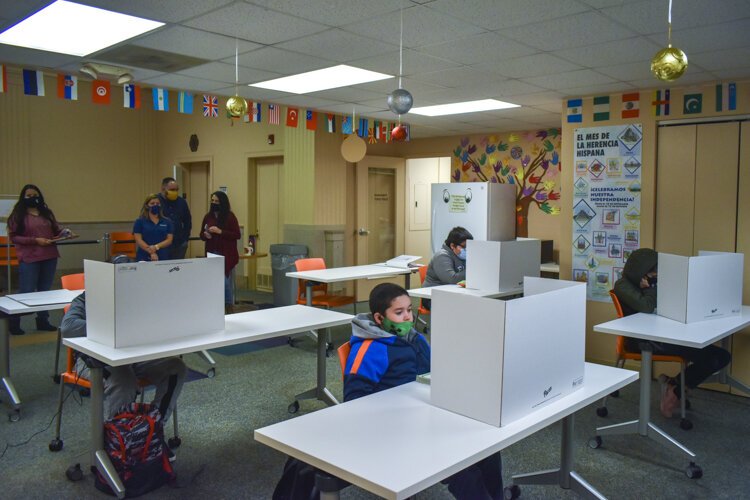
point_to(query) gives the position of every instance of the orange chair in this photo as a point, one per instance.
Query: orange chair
(321, 297)
(421, 310)
(7, 256)
(69, 282)
(122, 243)
(71, 377)
(623, 354)
(343, 353)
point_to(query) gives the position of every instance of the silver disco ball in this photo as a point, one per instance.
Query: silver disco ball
(400, 101)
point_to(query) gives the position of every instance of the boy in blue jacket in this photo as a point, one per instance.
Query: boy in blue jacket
(386, 351)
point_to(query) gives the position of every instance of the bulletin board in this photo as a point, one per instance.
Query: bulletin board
(606, 204)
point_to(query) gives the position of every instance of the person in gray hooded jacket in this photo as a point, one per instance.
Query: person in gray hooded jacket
(448, 265)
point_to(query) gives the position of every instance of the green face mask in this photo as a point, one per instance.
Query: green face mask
(399, 329)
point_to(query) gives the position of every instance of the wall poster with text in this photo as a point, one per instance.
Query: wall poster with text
(606, 204)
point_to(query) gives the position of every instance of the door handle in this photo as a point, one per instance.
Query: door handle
(363, 232)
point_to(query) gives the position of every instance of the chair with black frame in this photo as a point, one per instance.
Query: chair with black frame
(623, 354)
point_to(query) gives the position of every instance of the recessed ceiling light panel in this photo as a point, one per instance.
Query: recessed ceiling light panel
(462, 107)
(322, 79)
(75, 29)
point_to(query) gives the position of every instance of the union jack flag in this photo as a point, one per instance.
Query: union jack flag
(210, 106)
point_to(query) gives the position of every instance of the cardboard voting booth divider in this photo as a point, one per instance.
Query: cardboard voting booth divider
(144, 302)
(699, 288)
(501, 265)
(494, 361)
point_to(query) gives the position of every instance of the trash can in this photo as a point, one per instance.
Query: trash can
(283, 256)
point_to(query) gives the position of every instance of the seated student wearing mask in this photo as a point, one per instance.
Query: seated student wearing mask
(636, 291)
(448, 265)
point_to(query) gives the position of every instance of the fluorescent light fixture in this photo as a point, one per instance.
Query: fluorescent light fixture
(71, 28)
(462, 107)
(322, 79)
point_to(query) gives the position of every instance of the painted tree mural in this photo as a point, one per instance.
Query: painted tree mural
(531, 161)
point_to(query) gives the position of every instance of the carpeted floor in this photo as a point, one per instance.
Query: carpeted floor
(252, 388)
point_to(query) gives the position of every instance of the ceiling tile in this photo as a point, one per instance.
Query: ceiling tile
(650, 17)
(734, 73)
(422, 26)
(223, 72)
(484, 48)
(609, 88)
(689, 78)
(498, 89)
(30, 58)
(458, 77)
(533, 65)
(494, 15)
(719, 37)
(414, 63)
(173, 11)
(720, 59)
(255, 24)
(346, 109)
(606, 54)
(306, 101)
(338, 45)
(181, 82)
(253, 94)
(385, 87)
(572, 31)
(192, 42)
(332, 12)
(570, 79)
(346, 94)
(280, 61)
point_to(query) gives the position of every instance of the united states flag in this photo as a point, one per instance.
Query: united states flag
(210, 106)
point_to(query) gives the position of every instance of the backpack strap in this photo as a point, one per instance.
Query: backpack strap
(360, 355)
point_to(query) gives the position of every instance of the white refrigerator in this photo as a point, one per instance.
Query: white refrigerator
(486, 209)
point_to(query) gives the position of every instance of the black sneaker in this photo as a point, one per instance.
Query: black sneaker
(45, 326)
(170, 455)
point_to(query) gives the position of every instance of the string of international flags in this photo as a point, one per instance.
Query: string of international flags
(101, 93)
(661, 104)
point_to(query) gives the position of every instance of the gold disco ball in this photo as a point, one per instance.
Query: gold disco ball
(669, 64)
(236, 106)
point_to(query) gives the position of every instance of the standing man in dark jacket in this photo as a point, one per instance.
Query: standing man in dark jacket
(636, 291)
(176, 209)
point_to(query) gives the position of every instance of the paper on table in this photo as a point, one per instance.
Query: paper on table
(403, 261)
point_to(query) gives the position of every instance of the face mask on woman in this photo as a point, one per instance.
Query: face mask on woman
(215, 207)
(154, 209)
(32, 202)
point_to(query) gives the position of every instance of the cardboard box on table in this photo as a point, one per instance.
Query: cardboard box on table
(698, 288)
(144, 302)
(501, 265)
(497, 361)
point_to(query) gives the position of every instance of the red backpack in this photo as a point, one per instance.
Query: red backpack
(134, 441)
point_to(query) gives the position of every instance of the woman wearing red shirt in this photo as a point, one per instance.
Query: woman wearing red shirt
(220, 230)
(33, 229)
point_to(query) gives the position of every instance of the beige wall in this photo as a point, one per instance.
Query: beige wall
(600, 347)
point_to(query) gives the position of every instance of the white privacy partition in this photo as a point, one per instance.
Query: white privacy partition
(699, 288)
(496, 362)
(501, 265)
(145, 302)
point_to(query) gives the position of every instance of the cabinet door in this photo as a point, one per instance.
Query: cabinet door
(716, 160)
(675, 189)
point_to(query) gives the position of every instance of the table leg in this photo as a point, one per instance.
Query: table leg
(407, 280)
(10, 389)
(565, 476)
(724, 377)
(320, 392)
(643, 425)
(99, 457)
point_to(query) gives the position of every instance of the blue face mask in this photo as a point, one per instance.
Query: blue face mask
(154, 209)
(462, 254)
